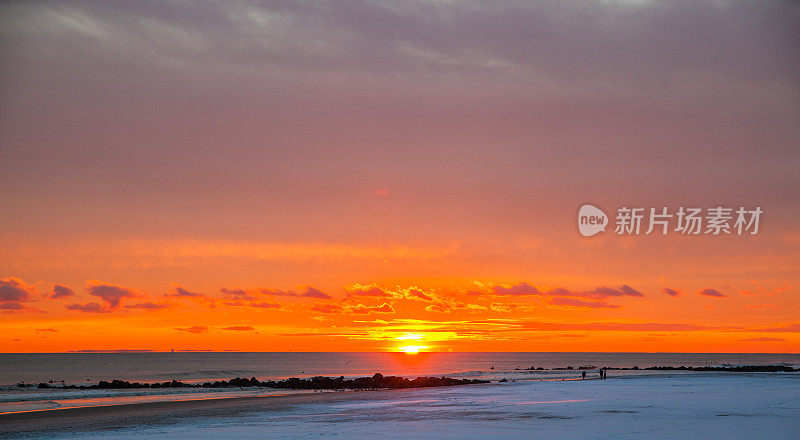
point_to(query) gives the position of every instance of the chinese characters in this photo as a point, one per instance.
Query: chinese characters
(688, 221)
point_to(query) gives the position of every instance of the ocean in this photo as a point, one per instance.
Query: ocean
(83, 368)
(553, 403)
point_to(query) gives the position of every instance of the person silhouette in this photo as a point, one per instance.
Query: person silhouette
(583, 375)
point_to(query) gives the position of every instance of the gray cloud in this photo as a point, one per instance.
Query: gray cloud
(184, 293)
(311, 292)
(60, 291)
(237, 294)
(525, 289)
(14, 289)
(90, 307)
(671, 292)
(110, 293)
(714, 293)
(573, 302)
(12, 306)
(150, 306)
(603, 66)
(478, 108)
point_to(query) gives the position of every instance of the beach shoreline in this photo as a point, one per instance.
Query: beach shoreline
(125, 414)
(641, 401)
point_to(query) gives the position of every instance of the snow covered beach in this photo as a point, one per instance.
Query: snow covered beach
(652, 406)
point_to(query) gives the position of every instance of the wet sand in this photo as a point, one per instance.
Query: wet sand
(123, 415)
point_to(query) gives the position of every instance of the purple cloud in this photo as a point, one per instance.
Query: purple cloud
(311, 292)
(359, 290)
(603, 292)
(763, 339)
(712, 293)
(194, 329)
(573, 302)
(671, 292)
(14, 289)
(110, 293)
(150, 306)
(524, 289)
(184, 293)
(239, 328)
(90, 307)
(278, 292)
(516, 290)
(12, 306)
(60, 291)
(237, 294)
(264, 305)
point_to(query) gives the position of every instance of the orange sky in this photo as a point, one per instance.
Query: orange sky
(304, 177)
(160, 295)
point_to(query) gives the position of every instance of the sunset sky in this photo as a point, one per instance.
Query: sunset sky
(367, 175)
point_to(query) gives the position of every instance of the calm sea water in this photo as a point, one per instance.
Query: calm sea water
(80, 368)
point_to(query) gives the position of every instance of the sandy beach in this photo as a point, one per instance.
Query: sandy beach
(658, 406)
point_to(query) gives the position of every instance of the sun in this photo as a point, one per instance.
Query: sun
(412, 349)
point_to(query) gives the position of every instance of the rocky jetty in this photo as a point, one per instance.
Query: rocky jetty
(377, 381)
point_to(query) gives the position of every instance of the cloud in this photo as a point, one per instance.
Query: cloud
(255, 305)
(439, 307)
(110, 293)
(150, 306)
(264, 305)
(671, 292)
(373, 290)
(572, 302)
(368, 290)
(786, 328)
(180, 292)
(14, 289)
(763, 339)
(416, 293)
(712, 293)
(503, 307)
(525, 289)
(600, 292)
(362, 309)
(327, 308)
(239, 328)
(604, 292)
(17, 307)
(46, 330)
(277, 292)
(90, 307)
(60, 291)
(194, 329)
(237, 294)
(12, 306)
(760, 306)
(311, 292)
(521, 289)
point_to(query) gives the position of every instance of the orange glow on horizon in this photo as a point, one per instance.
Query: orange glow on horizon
(412, 349)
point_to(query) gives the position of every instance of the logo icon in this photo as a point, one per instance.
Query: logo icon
(591, 220)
